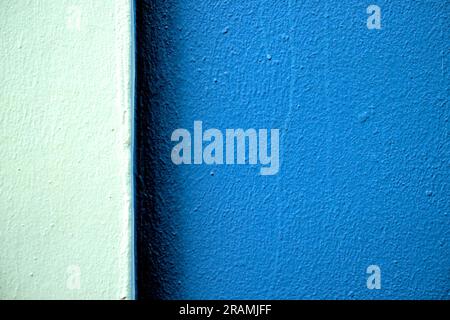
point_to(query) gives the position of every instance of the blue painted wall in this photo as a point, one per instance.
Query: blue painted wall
(365, 156)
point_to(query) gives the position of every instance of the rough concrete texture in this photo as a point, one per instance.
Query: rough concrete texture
(65, 102)
(365, 156)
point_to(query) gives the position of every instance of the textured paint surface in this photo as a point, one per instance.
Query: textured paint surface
(65, 102)
(365, 155)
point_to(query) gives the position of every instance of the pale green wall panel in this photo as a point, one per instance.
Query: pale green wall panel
(65, 149)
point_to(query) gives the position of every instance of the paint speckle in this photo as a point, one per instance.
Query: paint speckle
(363, 117)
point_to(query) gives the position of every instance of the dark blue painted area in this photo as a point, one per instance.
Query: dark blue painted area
(365, 155)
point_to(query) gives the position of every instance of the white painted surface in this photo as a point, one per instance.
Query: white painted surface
(65, 149)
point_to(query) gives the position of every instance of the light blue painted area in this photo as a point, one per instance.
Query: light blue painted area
(364, 149)
(65, 157)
